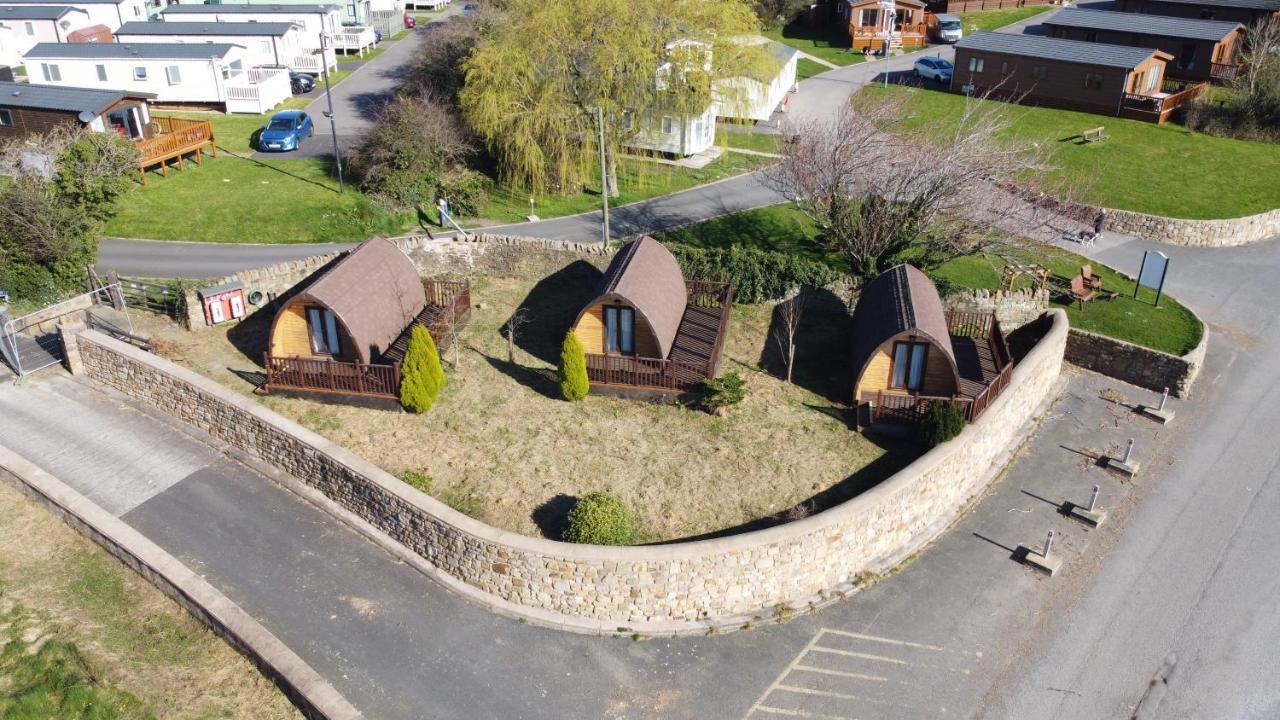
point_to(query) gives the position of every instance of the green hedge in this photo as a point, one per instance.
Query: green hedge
(757, 275)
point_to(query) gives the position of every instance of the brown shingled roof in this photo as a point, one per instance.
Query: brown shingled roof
(900, 299)
(646, 276)
(374, 291)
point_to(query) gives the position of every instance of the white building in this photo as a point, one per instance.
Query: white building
(675, 133)
(265, 43)
(315, 21)
(354, 12)
(749, 99)
(111, 13)
(179, 73)
(24, 26)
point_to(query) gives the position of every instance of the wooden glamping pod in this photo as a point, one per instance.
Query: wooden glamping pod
(909, 351)
(343, 333)
(648, 328)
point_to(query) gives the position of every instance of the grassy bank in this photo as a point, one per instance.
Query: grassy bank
(988, 20)
(1157, 169)
(828, 44)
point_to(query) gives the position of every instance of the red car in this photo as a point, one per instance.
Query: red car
(410, 21)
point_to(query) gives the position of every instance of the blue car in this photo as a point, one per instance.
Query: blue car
(286, 131)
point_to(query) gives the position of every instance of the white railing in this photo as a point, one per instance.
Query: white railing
(257, 91)
(358, 39)
(314, 62)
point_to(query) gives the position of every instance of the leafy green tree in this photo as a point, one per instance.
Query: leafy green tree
(600, 518)
(421, 376)
(573, 369)
(546, 72)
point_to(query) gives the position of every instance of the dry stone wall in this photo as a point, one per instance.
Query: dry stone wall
(1135, 364)
(683, 587)
(1012, 308)
(1196, 233)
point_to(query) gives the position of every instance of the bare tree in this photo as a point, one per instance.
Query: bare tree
(515, 324)
(1262, 45)
(886, 188)
(787, 316)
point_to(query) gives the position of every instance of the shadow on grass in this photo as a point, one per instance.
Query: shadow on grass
(540, 380)
(822, 345)
(552, 516)
(252, 335)
(551, 307)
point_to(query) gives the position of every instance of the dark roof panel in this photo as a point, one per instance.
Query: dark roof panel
(246, 9)
(145, 51)
(216, 29)
(1047, 48)
(1162, 25)
(65, 99)
(1272, 5)
(35, 12)
(48, 2)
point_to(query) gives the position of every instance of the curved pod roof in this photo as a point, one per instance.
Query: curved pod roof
(900, 300)
(646, 276)
(374, 291)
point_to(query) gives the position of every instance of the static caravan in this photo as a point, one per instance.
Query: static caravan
(354, 12)
(111, 13)
(25, 26)
(312, 20)
(1201, 49)
(677, 132)
(265, 43)
(176, 73)
(749, 99)
(27, 109)
(871, 25)
(1241, 11)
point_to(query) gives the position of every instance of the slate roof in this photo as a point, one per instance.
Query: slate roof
(34, 12)
(1272, 5)
(900, 299)
(1162, 25)
(646, 276)
(173, 27)
(1048, 48)
(374, 291)
(145, 51)
(246, 9)
(48, 2)
(66, 99)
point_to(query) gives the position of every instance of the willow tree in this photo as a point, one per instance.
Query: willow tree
(550, 78)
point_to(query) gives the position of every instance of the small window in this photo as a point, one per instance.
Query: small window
(1004, 68)
(174, 74)
(137, 11)
(1152, 80)
(324, 332)
(31, 29)
(1092, 81)
(102, 72)
(908, 366)
(976, 64)
(6, 118)
(667, 125)
(51, 73)
(1038, 72)
(140, 72)
(264, 46)
(619, 330)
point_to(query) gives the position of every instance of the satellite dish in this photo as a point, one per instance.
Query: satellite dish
(86, 116)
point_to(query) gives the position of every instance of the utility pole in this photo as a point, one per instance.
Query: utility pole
(333, 124)
(604, 177)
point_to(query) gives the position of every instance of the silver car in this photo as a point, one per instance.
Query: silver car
(946, 28)
(933, 68)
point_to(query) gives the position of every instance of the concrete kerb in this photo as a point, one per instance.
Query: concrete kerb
(676, 553)
(311, 693)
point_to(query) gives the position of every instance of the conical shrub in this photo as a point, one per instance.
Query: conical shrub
(573, 369)
(421, 375)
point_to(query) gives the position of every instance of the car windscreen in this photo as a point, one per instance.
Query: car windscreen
(949, 24)
(280, 124)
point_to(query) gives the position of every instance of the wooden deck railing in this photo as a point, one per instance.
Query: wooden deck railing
(1223, 73)
(176, 138)
(1158, 108)
(641, 372)
(379, 381)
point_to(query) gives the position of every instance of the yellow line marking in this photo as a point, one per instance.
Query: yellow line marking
(850, 653)
(889, 641)
(822, 693)
(841, 673)
(799, 713)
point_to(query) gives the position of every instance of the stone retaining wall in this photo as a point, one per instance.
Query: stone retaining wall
(1012, 308)
(1135, 364)
(682, 587)
(1196, 233)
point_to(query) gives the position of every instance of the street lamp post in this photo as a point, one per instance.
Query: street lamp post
(333, 123)
(604, 177)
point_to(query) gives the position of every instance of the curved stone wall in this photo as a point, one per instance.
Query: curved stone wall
(1227, 232)
(682, 587)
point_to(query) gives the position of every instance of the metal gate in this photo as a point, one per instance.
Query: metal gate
(30, 342)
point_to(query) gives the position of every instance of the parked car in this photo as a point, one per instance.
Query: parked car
(410, 21)
(945, 28)
(301, 82)
(285, 131)
(933, 68)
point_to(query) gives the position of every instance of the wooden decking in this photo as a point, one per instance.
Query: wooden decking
(1157, 108)
(175, 139)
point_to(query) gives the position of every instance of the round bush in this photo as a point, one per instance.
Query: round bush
(941, 422)
(600, 518)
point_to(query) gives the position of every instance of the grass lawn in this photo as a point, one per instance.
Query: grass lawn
(1158, 169)
(501, 446)
(233, 198)
(83, 637)
(818, 42)
(638, 179)
(806, 68)
(1171, 327)
(747, 139)
(987, 20)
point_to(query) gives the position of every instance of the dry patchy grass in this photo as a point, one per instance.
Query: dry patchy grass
(501, 447)
(130, 636)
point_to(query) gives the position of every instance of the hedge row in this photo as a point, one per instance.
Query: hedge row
(757, 275)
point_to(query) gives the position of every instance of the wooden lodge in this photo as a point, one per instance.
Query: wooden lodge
(1241, 11)
(908, 352)
(1201, 49)
(1117, 80)
(870, 25)
(649, 330)
(342, 335)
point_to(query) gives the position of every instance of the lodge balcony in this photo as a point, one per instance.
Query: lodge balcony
(871, 38)
(354, 39)
(1222, 74)
(984, 364)
(377, 383)
(1157, 106)
(172, 139)
(694, 356)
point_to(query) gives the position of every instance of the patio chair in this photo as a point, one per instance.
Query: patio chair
(1091, 281)
(1080, 292)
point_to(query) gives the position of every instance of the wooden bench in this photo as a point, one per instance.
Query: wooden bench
(1079, 292)
(1093, 135)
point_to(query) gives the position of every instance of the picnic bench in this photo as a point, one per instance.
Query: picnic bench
(1080, 292)
(1091, 281)
(1093, 135)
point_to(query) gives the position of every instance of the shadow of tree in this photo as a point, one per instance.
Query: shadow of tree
(551, 307)
(822, 346)
(541, 380)
(552, 516)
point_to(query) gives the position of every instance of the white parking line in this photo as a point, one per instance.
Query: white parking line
(865, 656)
(800, 713)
